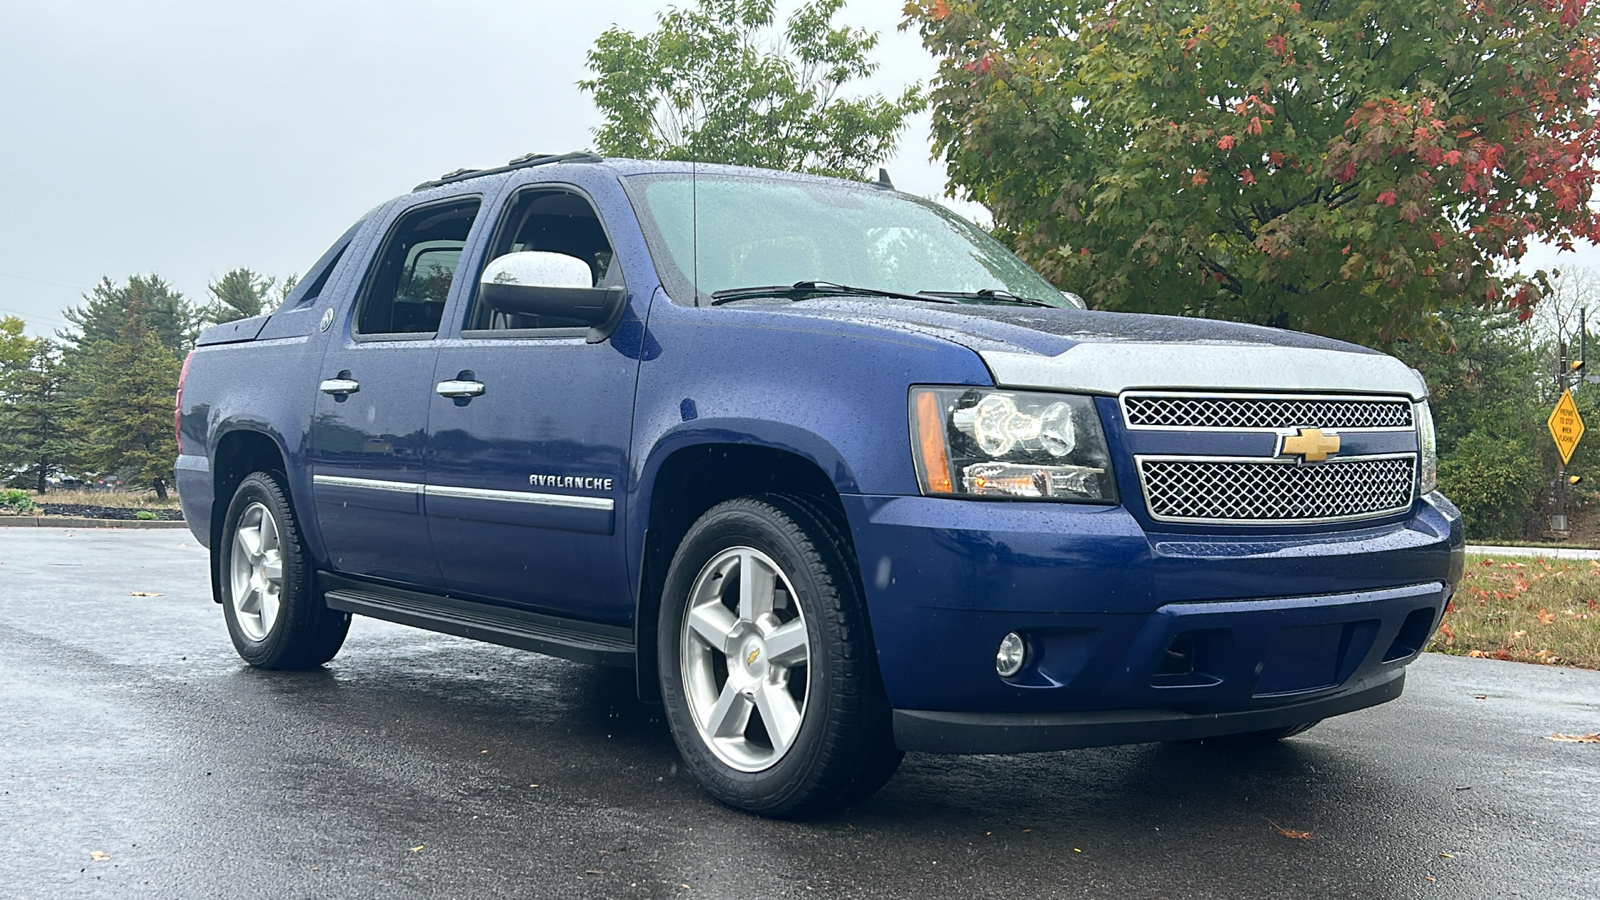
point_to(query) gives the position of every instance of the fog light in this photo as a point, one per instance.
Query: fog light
(1009, 658)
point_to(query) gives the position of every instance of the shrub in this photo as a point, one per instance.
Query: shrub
(1494, 481)
(16, 501)
(145, 515)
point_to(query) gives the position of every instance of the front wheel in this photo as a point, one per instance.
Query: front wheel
(767, 668)
(275, 616)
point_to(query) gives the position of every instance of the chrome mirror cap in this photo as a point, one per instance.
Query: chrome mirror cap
(1075, 300)
(538, 268)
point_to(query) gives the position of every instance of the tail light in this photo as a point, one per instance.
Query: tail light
(177, 404)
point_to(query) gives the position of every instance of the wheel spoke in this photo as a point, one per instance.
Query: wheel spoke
(251, 601)
(714, 624)
(269, 609)
(780, 715)
(786, 647)
(730, 715)
(250, 541)
(757, 584)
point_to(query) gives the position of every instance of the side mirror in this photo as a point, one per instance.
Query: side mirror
(1074, 299)
(539, 283)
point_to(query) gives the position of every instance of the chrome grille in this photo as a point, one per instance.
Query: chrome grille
(1257, 412)
(1261, 492)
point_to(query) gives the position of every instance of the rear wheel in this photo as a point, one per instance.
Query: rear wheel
(275, 616)
(767, 668)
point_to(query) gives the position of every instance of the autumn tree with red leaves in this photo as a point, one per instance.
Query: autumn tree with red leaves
(1347, 168)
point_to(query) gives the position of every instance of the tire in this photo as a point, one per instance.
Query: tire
(771, 686)
(275, 614)
(1253, 738)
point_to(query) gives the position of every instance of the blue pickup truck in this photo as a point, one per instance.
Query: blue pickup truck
(835, 473)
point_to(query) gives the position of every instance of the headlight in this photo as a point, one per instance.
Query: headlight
(981, 442)
(1427, 443)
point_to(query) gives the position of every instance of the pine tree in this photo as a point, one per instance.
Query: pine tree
(34, 417)
(240, 294)
(126, 408)
(172, 319)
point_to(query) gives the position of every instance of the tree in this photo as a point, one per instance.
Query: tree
(171, 318)
(1341, 166)
(126, 408)
(35, 415)
(240, 294)
(714, 83)
(14, 345)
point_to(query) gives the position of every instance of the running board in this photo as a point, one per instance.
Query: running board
(553, 636)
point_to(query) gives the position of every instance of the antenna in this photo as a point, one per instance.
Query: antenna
(883, 179)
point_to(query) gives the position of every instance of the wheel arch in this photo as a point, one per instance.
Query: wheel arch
(238, 453)
(690, 479)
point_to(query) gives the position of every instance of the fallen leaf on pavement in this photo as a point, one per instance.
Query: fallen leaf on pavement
(1448, 855)
(1291, 833)
(418, 847)
(98, 856)
(1575, 738)
(143, 594)
(1480, 696)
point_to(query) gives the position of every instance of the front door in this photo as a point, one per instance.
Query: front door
(526, 478)
(368, 435)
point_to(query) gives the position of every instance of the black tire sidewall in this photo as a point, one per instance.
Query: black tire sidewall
(759, 523)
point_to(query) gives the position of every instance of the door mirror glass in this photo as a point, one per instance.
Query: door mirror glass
(538, 268)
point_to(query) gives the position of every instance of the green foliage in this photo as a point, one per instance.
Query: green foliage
(1493, 481)
(16, 501)
(125, 412)
(240, 294)
(145, 515)
(715, 83)
(14, 345)
(35, 414)
(1346, 167)
(171, 319)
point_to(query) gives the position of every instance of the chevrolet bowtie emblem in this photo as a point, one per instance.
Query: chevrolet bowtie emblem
(1310, 444)
(751, 659)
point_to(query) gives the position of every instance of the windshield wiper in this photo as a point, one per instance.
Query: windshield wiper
(801, 290)
(994, 295)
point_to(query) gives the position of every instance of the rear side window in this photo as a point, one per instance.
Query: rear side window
(410, 281)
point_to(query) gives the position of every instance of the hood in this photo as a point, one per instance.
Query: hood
(1106, 352)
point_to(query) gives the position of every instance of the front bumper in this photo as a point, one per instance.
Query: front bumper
(1135, 635)
(932, 731)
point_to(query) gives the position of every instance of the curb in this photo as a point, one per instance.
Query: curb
(79, 522)
(1555, 552)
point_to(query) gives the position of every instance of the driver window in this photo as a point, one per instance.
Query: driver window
(555, 221)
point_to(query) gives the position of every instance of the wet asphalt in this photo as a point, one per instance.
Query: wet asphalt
(417, 765)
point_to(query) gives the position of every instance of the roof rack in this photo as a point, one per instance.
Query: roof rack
(521, 162)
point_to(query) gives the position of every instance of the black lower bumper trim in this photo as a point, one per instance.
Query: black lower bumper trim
(935, 731)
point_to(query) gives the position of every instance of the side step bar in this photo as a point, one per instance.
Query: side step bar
(553, 636)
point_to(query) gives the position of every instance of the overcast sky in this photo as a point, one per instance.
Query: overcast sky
(188, 137)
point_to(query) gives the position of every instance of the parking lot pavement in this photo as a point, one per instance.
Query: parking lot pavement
(421, 765)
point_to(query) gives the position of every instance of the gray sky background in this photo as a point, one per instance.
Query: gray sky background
(187, 137)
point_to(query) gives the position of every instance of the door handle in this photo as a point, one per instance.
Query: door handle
(339, 386)
(455, 388)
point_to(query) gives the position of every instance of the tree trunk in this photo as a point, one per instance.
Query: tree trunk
(41, 477)
(161, 489)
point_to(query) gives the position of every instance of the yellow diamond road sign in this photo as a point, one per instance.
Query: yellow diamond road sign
(1566, 426)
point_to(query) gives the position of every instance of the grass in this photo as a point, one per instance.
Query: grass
(1525, 609)
(129, 499)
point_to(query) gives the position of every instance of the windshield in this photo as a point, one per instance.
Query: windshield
(753, 231)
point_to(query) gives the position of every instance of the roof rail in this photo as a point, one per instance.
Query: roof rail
(521, 162)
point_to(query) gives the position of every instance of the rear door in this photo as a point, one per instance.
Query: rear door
(526, 479)
(368, 434)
